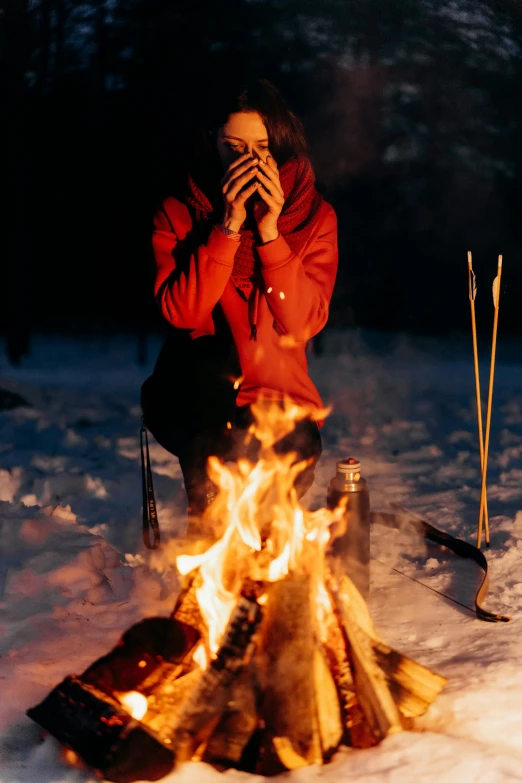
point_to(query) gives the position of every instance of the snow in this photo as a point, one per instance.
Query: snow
(74, 573)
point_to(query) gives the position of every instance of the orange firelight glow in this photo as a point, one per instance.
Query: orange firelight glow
(135, 703)
(200, 656)
(70, 757)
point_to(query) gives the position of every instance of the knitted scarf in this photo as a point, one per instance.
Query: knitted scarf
(296, 222)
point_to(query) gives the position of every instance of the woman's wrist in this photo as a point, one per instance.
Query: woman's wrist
(268, 235)
(231, 225)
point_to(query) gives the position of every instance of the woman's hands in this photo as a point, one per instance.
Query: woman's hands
(238, 174)
(266, 212)
(236, 192)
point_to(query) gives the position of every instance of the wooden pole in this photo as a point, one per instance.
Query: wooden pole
(496, 296)
(472, 294)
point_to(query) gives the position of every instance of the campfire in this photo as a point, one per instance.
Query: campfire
(269, 660)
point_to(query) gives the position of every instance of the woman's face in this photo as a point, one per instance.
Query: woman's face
(242, 132)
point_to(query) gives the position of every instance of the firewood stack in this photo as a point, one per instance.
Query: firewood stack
(279, 694)
(290, 694)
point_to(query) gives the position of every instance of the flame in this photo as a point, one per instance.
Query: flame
(267, 534)
(135, 703)
(200, 656)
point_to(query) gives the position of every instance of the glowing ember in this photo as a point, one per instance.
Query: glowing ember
(135, 703)
(70, 757)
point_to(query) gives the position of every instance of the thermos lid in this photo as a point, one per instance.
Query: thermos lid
(348, 465)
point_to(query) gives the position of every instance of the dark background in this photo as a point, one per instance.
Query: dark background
(413, 110)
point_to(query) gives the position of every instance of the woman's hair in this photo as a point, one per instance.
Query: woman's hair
(285, 131)
(286, 134)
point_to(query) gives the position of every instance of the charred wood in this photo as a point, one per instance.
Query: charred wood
(104, 734)
(146, 653)
(237, 724)
(206, 703)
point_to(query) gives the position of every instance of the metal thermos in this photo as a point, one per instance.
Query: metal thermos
(352, 546)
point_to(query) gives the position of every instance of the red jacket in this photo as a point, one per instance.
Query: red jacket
(293, 308)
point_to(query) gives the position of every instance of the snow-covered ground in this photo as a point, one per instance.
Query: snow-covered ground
(74, 573)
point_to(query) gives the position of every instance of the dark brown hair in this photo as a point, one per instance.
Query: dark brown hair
(285, 131)
(286, 136)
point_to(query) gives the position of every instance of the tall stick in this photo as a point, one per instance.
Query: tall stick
(472, 295)
(496, 296)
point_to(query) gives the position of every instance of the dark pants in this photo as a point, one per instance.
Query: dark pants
(193, 446)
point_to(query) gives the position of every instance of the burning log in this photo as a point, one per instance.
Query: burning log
(161, 682)
(102, 732)
(327, 707)
(153, 652)
(206, 703)
(374, 695)
(88, 713)
(145, 653)
(166, 702)
(390, 687)
(356, 730)
(413, 686)
(187, 609)
(286, 663)
(236, 727)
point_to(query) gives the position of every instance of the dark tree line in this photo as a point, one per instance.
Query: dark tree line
(413, 112)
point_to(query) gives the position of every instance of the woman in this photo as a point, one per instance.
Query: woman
(246, 259)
